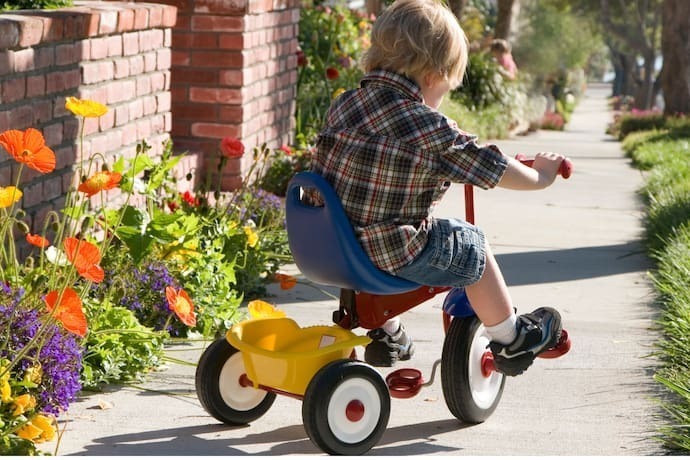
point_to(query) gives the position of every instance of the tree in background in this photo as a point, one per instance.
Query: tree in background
(675, 46)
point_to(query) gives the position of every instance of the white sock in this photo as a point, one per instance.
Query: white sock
(391, 326)
(504, 332)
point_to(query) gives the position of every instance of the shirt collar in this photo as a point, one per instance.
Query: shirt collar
(393, 80)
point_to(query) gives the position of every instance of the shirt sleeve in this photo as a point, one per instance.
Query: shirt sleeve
(469, 163)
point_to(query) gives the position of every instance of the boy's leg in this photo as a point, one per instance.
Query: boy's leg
(514, 350)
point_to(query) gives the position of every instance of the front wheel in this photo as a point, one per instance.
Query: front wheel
(219, 389)
(346, 408)
(471, 396)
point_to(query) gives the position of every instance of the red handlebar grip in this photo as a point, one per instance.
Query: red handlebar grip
(565, 170)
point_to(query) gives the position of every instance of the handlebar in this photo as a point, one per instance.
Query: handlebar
(565, 170)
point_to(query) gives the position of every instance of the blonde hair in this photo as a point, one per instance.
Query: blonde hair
(414, 37)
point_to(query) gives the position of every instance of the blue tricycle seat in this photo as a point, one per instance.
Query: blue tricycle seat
(324, 244)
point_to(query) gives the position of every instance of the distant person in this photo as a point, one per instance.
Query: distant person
(390, 155)
(501, 50)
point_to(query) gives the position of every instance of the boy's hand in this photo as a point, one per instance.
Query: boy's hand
(547, 165)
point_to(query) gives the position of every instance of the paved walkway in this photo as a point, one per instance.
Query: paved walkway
(576, 247)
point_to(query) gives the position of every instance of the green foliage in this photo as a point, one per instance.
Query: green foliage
(284, 165)
(483, 84)
(555, 38)
(667, 190)
(119, 348)
(489, 123)
(34, 4)
(332, 40)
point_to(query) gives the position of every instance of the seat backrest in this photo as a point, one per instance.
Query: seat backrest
(324, 245)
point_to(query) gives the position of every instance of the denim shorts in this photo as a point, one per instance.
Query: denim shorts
(453, 256)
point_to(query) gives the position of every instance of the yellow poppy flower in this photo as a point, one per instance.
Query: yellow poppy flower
(5, 391)
(46, 425)
(85, 107)
(252, 236)
(261, 309)
(23, 403)
(34, 374)
(9, 196)
(40, 428)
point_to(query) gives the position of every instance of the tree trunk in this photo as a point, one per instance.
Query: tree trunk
(457, 7)
(504, 19)
(675, 47)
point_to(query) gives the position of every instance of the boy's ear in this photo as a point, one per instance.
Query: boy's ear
(431, 78)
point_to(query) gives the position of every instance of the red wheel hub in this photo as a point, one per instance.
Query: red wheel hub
(354, 410)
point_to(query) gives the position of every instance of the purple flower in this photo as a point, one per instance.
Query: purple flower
(59, 355)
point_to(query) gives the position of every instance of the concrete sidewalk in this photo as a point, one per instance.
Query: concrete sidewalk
(575, 246)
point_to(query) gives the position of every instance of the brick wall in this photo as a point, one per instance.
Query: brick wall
(114, 53)
(234, 73)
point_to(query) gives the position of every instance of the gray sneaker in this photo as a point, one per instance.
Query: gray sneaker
(537, 331)
(385, 350)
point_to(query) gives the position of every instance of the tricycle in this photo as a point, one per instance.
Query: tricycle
(346, 402)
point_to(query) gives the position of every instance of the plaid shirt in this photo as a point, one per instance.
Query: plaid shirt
(390, 157)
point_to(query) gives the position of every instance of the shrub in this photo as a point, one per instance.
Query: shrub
(34, 4)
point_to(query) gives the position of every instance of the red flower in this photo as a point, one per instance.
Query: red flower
(37, 240)
(172, 206)
(29, 147)
(190, 199)
(85, 257)
(302, 60)
(182, 305)
(286, 149)
(68, 312)
(232, 147)
(332, 73)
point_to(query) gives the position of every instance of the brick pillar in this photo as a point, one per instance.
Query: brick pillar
(234, 73)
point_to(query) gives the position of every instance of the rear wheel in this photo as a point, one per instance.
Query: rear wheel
(346, 408)
(471, 396)
(219, 389)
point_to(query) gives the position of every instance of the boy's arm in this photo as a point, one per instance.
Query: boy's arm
(542, 173)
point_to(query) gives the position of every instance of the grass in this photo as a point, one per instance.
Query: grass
(665, 153)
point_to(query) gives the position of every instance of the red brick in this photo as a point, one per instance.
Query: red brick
(141, 17)
(52, 188)
(13, 90)
(184, 40)
(120, 90)
(214, 130)
(143, 85)
(9, 33)
(160, 81)
(149, 105)
(136, 109)
(164, 59)
(121, 68)
(143, 128)
(98, 48)
(53, 27)
(155, 16)
(215, 95)
(23, 59)
(235, 7)
(108, 22)
(114, 45)
(232, 114)
(169, 16)
(53, 134)
(232, 41)
(223, 59)
(125, 21)
(218, 23)
(181, 58)
(151, 39)
(196, 112)
(129, 134)
(163, 102)
(150, 61)
(35, 85)
(90, 126)
(62, 81)
(260, 6)
(197, 76)
(67, 54)
(130, 42)
(136, 64)
(31, 30)
(107, 120)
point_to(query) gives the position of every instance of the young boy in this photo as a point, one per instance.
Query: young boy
(389, 154)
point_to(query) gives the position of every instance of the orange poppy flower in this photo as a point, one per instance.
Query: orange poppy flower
(103, 180)
(182, 305)
(37, 240)
(286, 281)
(69, 311)
(29, 147)
(85, 257)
